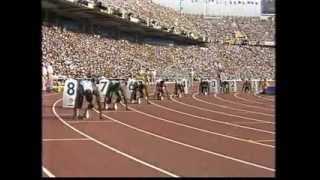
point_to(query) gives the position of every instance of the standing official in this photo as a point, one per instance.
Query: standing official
(50, 77)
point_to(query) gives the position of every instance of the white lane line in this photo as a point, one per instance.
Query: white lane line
(218, 112)
(244, 99)
(251, 101)
(192, 147)
(259, 98)
(233, 102)
(109, 147)
(201, 130)
(213, 120)
(245, 122)
(67, 139)
(47, 172)
(228, 107)
(268, 99)
(89, 121)
(271, 140)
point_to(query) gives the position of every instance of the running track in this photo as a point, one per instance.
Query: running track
(228, 135)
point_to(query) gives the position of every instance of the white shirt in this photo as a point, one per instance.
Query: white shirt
(87, 85)
(180, 81)
(131, 82)
(49, 69)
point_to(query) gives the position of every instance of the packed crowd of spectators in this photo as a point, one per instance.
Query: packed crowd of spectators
(147, 13)
(146, 9)
(222, 29)
(76, 53)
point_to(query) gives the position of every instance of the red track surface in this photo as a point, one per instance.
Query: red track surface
(192, 136)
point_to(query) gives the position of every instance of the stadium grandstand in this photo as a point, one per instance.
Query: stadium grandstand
(108, 38)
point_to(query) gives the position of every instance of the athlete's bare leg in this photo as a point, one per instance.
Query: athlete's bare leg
(146, 93)
(124, 98)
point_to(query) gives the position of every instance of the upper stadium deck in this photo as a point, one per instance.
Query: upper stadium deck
(96, 16)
